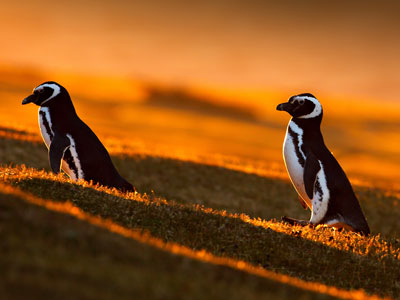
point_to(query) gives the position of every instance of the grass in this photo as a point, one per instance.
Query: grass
(205, 223)
(182, 210)
(47, 255)
(216, 187)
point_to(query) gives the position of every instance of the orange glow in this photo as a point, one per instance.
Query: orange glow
(201, 255)
(363, 134)
(368, 168)
(251, 57)
(284, 47)
(230, 63)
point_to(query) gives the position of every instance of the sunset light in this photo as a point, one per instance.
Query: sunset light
(174, 145)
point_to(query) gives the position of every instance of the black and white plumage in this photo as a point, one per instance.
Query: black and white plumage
(72, 145)
(316, 175)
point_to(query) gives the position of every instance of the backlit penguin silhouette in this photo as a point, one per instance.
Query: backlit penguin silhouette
(72, 144)
(317, 177)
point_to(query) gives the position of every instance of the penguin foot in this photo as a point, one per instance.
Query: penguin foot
(292, 221)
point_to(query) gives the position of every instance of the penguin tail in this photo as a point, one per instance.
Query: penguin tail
(126, 186)
(360, 227)
(363, 230)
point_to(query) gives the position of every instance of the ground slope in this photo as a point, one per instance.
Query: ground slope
(222, 212)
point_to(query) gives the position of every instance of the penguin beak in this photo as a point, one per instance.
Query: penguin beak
(29, 99)
(284, 107)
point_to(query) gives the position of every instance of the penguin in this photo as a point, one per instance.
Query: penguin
(72, 145)
(316, 175)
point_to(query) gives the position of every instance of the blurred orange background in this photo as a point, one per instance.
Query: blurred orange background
(339, 48)
(203, 78)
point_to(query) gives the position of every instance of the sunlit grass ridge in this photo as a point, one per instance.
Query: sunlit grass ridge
(374, 246)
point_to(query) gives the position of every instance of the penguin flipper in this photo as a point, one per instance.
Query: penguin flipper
(311, 168)
(58, 145)
(303, 203)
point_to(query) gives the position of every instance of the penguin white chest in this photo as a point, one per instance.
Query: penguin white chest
(295, 159)
(45, 125)
(72, 167)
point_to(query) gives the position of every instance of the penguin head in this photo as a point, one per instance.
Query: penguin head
(303, 106)
(45, 93)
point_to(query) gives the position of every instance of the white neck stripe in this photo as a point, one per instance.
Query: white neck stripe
(295, 128)
(56, 90)
(317, 110)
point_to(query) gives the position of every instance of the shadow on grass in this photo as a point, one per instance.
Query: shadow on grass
(230, 237)
(211, 186)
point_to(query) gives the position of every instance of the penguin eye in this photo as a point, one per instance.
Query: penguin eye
(301, 101)
(38, 90)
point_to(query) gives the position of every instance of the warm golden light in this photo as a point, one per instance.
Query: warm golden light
(201, 255)
(183, 95)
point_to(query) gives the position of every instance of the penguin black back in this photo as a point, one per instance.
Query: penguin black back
(72, 145)
(316, 175)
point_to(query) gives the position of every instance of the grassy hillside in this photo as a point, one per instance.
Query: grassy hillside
(201, 207)
(50, 255)
(205, 221)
